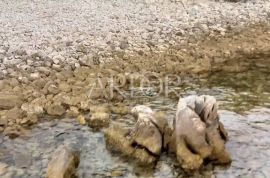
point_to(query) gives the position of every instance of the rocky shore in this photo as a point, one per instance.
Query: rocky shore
(57, 56)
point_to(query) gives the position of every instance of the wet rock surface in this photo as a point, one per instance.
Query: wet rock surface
(143, 141)
(63, 163)
(198, 133)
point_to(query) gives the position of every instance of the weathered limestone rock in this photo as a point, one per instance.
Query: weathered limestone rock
(146, 135)
(118, 140)
(9, 101)
(144, 142)
(198, 134)
(63, 163)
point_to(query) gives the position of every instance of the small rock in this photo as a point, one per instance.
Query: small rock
(15, 114)
(32, 108)
(117, 173)
(65, 87)
(99, 119)
(29, 120)
(81, 119)
(9, 101)
(73, 112)
(56, 59)
(11, 132)
(55, 109)
(34, 76)
(53, 89)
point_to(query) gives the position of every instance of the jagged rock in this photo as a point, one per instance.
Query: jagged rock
(198, 134)
(118, 140)
(144, 141)
(63, 163)
(146, 135)
(9, 101)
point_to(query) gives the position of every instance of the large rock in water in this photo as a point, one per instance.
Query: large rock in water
(144, 141)
(63, 163)
(198, 134)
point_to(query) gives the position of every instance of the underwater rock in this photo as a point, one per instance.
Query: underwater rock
(198, 134)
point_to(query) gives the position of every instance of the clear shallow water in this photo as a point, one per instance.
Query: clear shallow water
(244, 110)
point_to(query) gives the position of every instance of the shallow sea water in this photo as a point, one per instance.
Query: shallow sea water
(244, 109)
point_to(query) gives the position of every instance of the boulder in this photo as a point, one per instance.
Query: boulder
(198, 134)
(144, 141)
(63, 163)
(118, 140)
